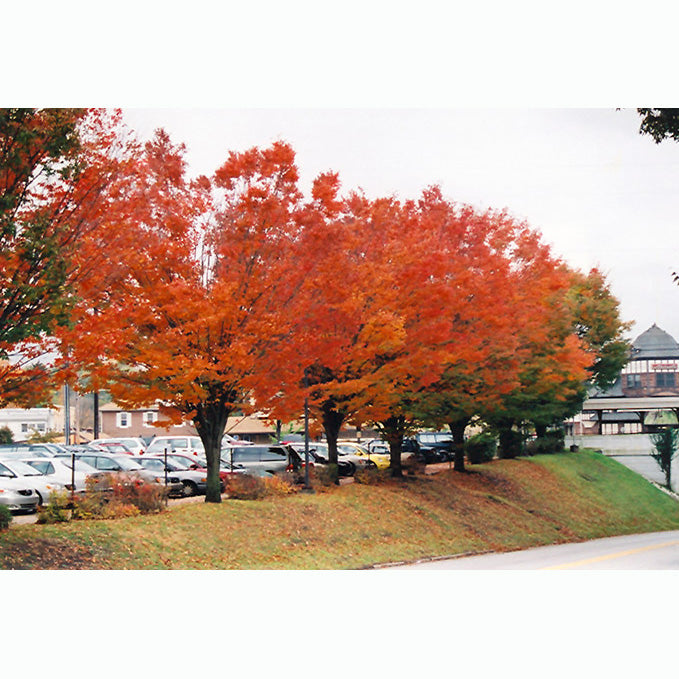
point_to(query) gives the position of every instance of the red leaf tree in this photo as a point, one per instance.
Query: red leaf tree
(202, 285)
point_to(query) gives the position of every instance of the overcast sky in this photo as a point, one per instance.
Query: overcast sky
(600, 193)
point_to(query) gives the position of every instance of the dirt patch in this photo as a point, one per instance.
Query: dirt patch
(47, 554)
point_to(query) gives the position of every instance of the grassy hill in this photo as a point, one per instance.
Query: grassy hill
(498, 506)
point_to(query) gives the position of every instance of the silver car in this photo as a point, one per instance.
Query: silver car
(59, 469)
(194, 481)
(103, 462)
(254, 458)
(15, 493)
(42, 485)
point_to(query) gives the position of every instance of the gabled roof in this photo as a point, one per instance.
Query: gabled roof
(654, 343)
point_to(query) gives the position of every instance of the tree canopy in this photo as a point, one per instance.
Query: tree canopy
(237, 292)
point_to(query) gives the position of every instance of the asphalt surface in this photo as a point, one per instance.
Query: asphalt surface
(648, 551)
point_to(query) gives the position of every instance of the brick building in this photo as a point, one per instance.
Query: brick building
(646, 393)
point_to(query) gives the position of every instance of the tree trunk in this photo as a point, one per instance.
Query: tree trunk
(394, 430)
(457, 428)
(332, 423)
(210, 422)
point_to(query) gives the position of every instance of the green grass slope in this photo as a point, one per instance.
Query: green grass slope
(501, 505)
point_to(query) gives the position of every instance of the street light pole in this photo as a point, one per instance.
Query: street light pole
(67, 416)
(307, 486)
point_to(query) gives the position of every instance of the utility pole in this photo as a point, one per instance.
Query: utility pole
(67, 416)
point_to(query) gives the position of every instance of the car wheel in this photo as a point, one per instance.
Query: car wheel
(190, 489)
(40, 502)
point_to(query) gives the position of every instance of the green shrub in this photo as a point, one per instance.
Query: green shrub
(511, 444)
(552, 442)
(5, 517)
(57, 509)
(480, 448)
(6, 435)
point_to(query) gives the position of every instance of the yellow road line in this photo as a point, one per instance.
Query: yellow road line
(616, 555)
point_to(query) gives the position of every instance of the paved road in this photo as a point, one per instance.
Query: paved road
(649, 551)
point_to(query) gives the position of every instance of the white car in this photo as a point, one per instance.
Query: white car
(15, 493)
(42, 485)
(137, 446)
(59, 469)
(186, 445)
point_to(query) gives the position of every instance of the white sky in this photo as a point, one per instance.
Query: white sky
(600, 193)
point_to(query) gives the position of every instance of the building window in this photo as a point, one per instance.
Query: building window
(150, 416)
(124, 420)
(24, 428)
(664, 379)
(634, 381)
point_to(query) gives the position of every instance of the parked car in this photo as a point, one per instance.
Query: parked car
(32, 478)
(200, 464)
(272, 459)
(425, 454)
(381, 460)
(188, 445)
(137, 446)
(377, 446)
(440, 441)
(113, 447)
(15, 450)
(193, 480)
(227, 439)
(15, 493)
(105, 462)
(343, 455)
(60, 470)
(344, 467)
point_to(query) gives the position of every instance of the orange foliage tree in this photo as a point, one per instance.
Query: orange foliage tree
(201, 287)
(553, 360)
(57, 170)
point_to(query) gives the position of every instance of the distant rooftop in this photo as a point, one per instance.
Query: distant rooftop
(655, 343)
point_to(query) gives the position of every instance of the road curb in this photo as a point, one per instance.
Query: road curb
(425, 559)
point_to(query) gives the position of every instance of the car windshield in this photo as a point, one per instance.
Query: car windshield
(127, 463)
(80, 466)
(175, 466)
(25, 469)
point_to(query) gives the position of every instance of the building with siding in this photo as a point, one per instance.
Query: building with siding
(23, 422)
(117, 421)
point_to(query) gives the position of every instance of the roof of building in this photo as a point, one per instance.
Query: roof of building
(654, 343)
(614, 390)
